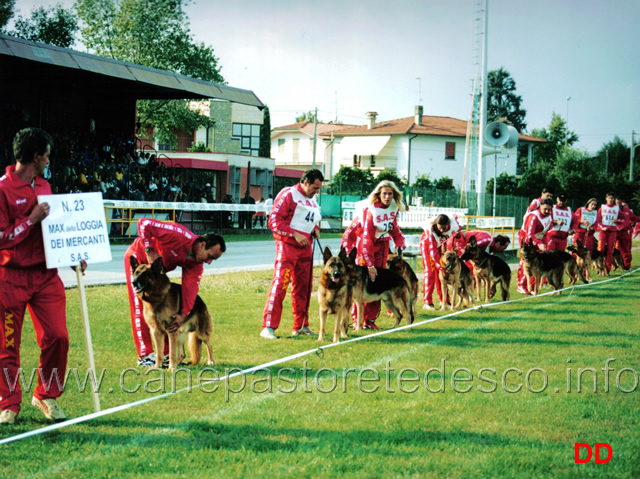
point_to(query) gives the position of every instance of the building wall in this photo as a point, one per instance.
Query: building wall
(305, 149)
(221, 112)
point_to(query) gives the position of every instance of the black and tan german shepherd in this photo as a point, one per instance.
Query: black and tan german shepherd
(583, 258)
(455, 274)
(161, 299)
(598, 261)
(389, 287)
(335, 294)
(550, 264)
(488, 269)
(396, 262)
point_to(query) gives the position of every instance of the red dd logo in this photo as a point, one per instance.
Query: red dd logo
(597, 447)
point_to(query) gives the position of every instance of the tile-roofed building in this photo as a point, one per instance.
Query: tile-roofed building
(412, 146)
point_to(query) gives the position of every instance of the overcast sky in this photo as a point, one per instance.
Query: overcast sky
(355, 56)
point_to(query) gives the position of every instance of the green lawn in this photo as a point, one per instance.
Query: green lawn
(364, 409)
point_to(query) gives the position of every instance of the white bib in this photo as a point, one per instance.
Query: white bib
(609, 214)
(307, 213)
(383, 218)
(564, 216)
(546, 222)
(454, 227)
(589, 216)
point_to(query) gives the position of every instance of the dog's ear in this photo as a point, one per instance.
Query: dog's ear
(133, 262)
(157, 266)
(472, 241)
(399, 253)
(353, 254)
(326, 255)
(343, 254)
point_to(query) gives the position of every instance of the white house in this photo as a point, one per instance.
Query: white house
(410, 147)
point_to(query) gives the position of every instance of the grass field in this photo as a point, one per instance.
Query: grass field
(364, 409)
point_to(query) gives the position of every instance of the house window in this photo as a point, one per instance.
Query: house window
(373, 161)
(356, 161)
(472, 185)
(280, 145)
(450, 150)
(249, 136)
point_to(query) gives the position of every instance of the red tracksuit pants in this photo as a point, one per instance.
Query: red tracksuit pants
(624, 245)
(584, 238)
(141, 333)
(293, 265)
(431, 279)
(42, 292)
(522, 278)
(606, 245)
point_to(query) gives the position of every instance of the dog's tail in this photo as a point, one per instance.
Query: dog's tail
(195, 348)
(410, 307)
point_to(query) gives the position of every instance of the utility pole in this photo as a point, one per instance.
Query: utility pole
(480, 186)
(633, 149)
(315, 137)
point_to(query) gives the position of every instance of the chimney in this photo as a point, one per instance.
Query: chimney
(372, 119)
(418, 119)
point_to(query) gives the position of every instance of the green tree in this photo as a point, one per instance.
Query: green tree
(54, 25)
(444, 183)
(153, 33)
(390, 176)
(352, 181)
(308, 116)
(6, 12)
(557, 136)
(265, 134)
(502, 101)
(506, 184)
(423, 181)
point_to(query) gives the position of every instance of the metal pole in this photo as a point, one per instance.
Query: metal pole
(495, 181)
(483, 108)
(633, 149)
(315, 137)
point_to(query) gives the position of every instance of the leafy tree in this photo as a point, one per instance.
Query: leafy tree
(308, 116)
(54, 25)
(153, 33)
(265, 134)
(502, 101)
(506, 184)
(389, 175)
(557, 136)
(444, 183)
(423, 181)
(352, 181)
(6, 12)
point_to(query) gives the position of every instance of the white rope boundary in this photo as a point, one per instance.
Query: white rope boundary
(123, 407)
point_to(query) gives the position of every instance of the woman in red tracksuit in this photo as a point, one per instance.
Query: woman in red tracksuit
(434, 238)
(177, 246)
(584, 220)
(379, 225)
(607, 222)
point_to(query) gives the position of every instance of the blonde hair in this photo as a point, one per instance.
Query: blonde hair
(374, 197)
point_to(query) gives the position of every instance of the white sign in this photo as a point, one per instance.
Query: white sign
(75, 230)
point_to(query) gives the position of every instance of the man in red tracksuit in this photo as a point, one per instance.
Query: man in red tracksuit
(294, 221)
(25, 281)
(534, 229)
(623, 235)
(535, 203)
(607, 222)
(177, 246)
(556, 237)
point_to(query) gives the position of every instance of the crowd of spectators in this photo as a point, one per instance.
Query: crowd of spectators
(115, 167)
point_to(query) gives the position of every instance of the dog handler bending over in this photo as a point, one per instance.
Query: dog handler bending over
(25, 280)
(294, 221)
(177, 246)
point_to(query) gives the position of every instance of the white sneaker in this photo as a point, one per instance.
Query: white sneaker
(49, 408)
(8, 417)
(303, 332)
(149, 361)
(429, 307)
(268, 333)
